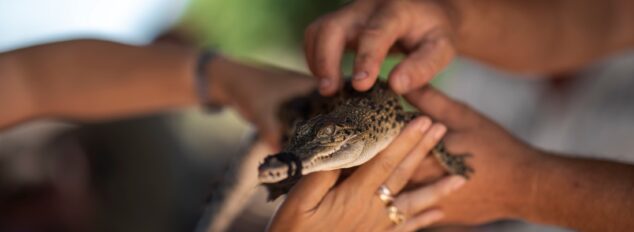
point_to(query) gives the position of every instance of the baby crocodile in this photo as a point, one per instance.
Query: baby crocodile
(343, 131)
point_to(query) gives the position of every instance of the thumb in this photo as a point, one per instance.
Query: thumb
(312, 189)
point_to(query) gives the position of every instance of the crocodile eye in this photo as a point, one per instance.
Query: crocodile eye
(327, 131)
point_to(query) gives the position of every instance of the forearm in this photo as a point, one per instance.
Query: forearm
(16, 103)
(542, 36)
(92, 80)
(584, 194)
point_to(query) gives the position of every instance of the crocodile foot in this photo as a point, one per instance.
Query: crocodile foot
(454, 164)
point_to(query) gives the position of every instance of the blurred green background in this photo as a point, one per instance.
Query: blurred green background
(269, 31)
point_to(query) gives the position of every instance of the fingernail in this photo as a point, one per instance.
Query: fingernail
(438, 131)
(403, 83)
(360, 75)
(456, 182)
(325, 83)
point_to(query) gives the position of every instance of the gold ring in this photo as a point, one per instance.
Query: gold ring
(395, 215)
(385, 195)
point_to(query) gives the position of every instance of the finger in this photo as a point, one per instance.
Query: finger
(374, 43)
(311, 189)
(328, 48)
(402, 174)
(415, 201)
(368, 177)
(427, 171)
(420, 221)
(422, 65)
(309, 44)
(439, 106)
(272, 132)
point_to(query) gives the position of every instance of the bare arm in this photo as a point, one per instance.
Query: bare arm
(514, 180)
(588, 195)
(94, 80)
(543, 36)
(540, 36)
(97, 80)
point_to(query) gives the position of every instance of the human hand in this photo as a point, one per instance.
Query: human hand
(257, 92)
(316, 204)
(422, 29)
(505, 168)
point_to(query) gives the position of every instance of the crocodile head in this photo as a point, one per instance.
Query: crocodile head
(324, 142)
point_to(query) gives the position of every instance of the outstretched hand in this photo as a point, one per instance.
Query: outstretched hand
(421, 29)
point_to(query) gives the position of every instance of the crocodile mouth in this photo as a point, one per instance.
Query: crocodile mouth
(277, 169)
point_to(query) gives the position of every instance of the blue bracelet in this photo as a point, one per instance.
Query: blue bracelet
(202, 82)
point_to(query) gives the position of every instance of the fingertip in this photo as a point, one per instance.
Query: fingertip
(421, 123)
(400, 83)
(363, 84)
(360, 75)
(426, 123)
(438, 130)
(327, 86)
(423, 220)
(434, 215)
(312, 188)
(455, 182)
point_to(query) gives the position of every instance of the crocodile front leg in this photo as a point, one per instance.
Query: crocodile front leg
(454, 164)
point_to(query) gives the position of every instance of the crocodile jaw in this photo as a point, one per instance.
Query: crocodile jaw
(275, 171)
(371, 151)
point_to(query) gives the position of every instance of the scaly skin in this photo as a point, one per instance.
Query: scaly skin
(344, 131)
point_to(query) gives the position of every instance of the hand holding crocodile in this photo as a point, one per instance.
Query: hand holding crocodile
(318, 203)
(502, 186)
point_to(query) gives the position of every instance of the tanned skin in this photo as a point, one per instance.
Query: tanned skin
(540, 36)
(91, 80)
(513, 179)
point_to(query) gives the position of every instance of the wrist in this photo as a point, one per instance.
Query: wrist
(16, 92)
(548, 172)
(527, 175)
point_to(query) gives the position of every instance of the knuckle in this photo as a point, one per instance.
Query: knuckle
(321, 65)
(425, 69)
(330, 24)
(366, 59)
(371, 33)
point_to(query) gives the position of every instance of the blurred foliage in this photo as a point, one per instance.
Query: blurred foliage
(269, 31)
(266, 30)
